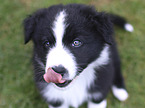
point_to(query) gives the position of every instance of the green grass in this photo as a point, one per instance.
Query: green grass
(17, 89)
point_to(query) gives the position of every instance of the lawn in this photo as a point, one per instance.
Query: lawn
(17, 88)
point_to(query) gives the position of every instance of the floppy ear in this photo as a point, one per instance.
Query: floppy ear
(104, 27)
(29, 25)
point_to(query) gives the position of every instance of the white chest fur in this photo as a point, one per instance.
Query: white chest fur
(75, 93)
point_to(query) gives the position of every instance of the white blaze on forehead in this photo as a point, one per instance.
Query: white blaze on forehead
(59, 27)
(59, 55)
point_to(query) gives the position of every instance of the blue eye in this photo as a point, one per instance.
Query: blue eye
(46, 44)
(76, 43)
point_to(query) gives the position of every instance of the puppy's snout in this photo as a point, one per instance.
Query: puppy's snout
(60, 69)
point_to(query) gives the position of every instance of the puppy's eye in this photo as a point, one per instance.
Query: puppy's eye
(46, 44)
(76, 43)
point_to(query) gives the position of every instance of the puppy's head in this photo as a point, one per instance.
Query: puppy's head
(66, 39)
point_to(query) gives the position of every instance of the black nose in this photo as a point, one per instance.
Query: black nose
(60, 69)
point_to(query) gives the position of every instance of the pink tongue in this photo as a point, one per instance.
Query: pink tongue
(52, 76)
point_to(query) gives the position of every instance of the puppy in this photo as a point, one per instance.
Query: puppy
(75, 55)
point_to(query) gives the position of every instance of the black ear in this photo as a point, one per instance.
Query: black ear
(104, 27)
(29, 25)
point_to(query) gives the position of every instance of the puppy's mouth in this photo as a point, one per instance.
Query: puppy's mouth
(52, 76)
(66, 83)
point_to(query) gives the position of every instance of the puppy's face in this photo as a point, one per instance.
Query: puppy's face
(67, 38)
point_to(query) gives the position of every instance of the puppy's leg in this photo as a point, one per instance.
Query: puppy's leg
(118, 87)
(99, 90)
(102, 104)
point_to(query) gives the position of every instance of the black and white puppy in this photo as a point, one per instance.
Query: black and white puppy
(75, 55)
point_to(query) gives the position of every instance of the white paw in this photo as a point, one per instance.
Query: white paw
(102, 104)
(120, 93)
(63, 106)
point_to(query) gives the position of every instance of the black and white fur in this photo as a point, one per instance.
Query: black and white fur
(79, 39)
